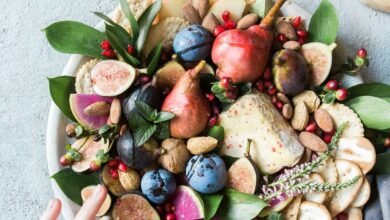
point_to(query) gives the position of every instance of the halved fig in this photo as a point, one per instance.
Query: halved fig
(112, 77)
(88, 191)
(113, 185)
(133, 207)
(88, 149)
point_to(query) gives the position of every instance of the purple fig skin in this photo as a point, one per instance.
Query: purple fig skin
(291, 73)
(191, 108)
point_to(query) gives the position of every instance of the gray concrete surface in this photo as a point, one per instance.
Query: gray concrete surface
(26, 59)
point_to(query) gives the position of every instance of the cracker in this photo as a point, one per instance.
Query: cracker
(292, 210)
(363, 195)
(312, 210)
(83, 78)
(310, 98)
(137, 7)
(328, 171)
(341, 114)
(318, 197)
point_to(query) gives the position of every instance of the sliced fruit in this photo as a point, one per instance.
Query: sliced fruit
(358, 150)
(88, 191)
(235, 7)
(319, 58)
(83, 83)
(133, 207)
(112, 77)
(88, 149)
(113, 185)
(188, 204)
(78, 104)
(343, 198)
(292, 210)
(316, 197)
(312, 210)
(168, 75)
(363, 195)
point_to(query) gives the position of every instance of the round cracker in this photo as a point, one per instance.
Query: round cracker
(343, 114)
(292, 210)
(363, 195)
(355, 214)
(83, 83)
(358, 150)
(310, 98)
(318, 197)
(328, 171)
(341, 199)
(312, 210)
(137, 7)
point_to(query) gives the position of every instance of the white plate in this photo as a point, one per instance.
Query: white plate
(56, 138)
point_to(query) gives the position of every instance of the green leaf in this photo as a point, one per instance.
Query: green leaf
(143, 134)
(217, 132)
(216, 88)
(60, 89)
(136, 120)
(164, 116)
(229, 160)
(162, 131)
(374, 112)
(75, 38)
(329, 98)
(104, 129)
(237, 205)
(261, 7)
(275, 216)
(324, 24)
(145, 110)
(382, 164)
(153, 59)
(118, 30)
(133, 22)
(211, 204)
(71, 183)
(144, 22)
(379, 90)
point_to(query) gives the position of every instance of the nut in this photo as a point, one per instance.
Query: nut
(287, 111)
(70, 130)
(312, 142)
(202, 6)
(210, 22)
(201, 145)
(97, 109)
(300, 117)
(191, 14)
(123, 129)
(291, 45)
(174, 155)
(286, 28)
(310, 98)
(324, 120)
(115, 111)
(247, 21)
(130, 180)
(282, 97)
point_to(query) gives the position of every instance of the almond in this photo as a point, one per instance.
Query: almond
(287, 111)
(247, 21)
(286, 28)
(312, 141)
(202, 6)
(210, 22)
(300, 117)
(201, 145)
(291, 45)
(115, 111)
(191, 14)
(324, 120)
(283, 98)
(97, 109)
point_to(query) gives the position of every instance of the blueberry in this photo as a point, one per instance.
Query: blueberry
(193, 43)
(206, 173)
(158, 185)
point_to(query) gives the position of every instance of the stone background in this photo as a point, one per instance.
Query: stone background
(26, 59)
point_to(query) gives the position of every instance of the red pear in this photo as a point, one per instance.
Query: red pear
(188, 103)
(243, 55)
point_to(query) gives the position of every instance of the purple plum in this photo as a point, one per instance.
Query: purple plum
(158, 185)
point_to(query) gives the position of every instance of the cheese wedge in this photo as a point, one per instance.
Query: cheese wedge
(275, 144)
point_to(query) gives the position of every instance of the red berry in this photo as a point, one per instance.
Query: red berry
(342, 216)
(130, 49)
(302, 33)
(216, 109)
(281, 38)
(342, 94)
(272, 91)
(274, 100)
(210, 96)
(226, 16)
(231, 94)
(213, 121)
(160, 209)
(105, 45)
(144, 79)
(386, 142)
(218, 30)
(268, 84)
(279, 105)
(109, 54)
(229, 25)
(260, 85)
(327, 138)
(311, 127)
(112, 163)
(65, 160)
(296, 22)
(94, 166)
(301, 41)
(114, 173)
(170, 216)
(267, 73)
(362, 53)
(122, 167)
(226, 83)
(168, 207)
(332, 84)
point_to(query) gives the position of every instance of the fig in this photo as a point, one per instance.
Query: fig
(88, 149)
(193, 43)
(133, 207)
(148, 94)
(319, 58)
(88, 191)
(191, 108)
(112, 77)
(244, 175)
(206, 173)
(291, 73)
(188, 204)
(168, 75)
(79, 104)
(136, 157)
(174, 155)
(113, 185)
(158, 185)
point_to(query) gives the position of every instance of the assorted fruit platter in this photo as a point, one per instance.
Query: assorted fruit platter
(220, 109)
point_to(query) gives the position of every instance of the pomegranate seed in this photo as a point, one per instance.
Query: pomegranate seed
(94, 166)
(105, 45)
(109, 54)
(122, 167)
(210, 96)
(267, 73)
(65, 160)
(216, 109)
(170, 216)
(332, 84)
(213, 121)
(260, 86)
(301, 41)
(279, 105)
(144, 79)
(327, 138)
(281, 38)
(342, 216)
(168, 207)
(272, 91)
(362, 53)
(386, 142)
(274, 100)
(112, 163)
(173, 208)
(296, 22)
(226, 83)
(311, 127)
(218, 30)
(114, 173)
(130, 49)
(342, 94)
(231, 94)
(229, 25)
(226, 16)
(302, 33)
(160, 209)
(268, 84)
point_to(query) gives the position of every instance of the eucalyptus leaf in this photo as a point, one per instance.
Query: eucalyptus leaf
(379, 90)
(144, 133)
(145, 22)
(324, 24)
(164, 116)
(211, 203)
(71, 183)
(382, 164)
(115, 28)
(75, 38)
(237, 205)
(60, 89)
(133, 22)
(116, 44)
(145, 110)
(154, 58)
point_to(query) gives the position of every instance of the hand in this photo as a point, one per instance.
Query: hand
(87, 212)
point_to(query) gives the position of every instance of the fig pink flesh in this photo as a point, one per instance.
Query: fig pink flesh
(186, 207)
(78, 102)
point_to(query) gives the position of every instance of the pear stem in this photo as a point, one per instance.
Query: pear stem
(268, 20)
(248, 148)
